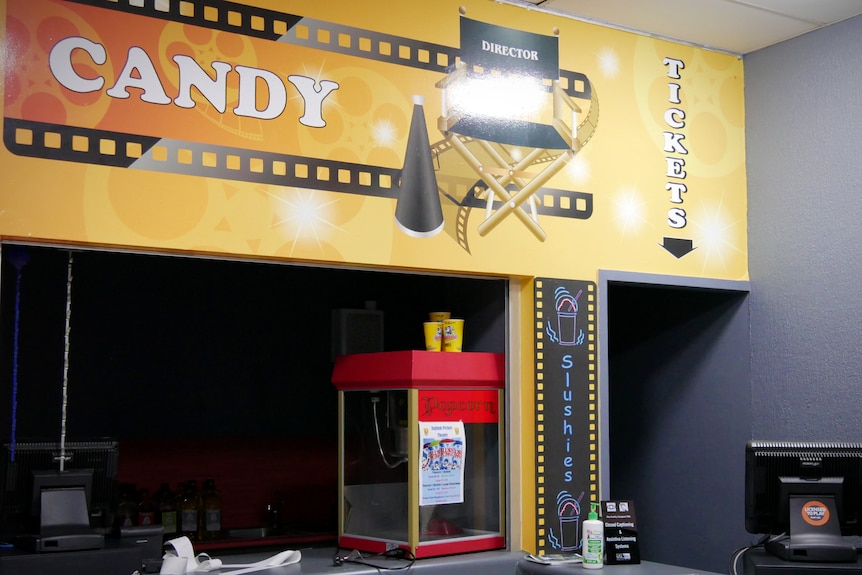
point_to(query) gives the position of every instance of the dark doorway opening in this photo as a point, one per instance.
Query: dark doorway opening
(677, 413)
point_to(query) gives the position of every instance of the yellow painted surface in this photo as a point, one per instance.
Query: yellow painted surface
(621, 166)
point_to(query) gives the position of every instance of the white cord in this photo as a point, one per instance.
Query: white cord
(735, 560)
(374, 401)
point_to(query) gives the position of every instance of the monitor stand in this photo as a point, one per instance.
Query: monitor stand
(815, 535)
(64, 523)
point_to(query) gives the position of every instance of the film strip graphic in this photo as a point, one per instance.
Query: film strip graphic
(551, 201)
(566, 411)
(56, 141)
(214, 14)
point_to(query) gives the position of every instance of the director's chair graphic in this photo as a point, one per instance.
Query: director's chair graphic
(512, 152)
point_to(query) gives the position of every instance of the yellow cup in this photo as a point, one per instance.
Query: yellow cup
(453, 334)
(433, 335)
(439, 315)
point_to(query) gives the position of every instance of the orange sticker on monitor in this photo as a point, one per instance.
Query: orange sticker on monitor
(815, 513)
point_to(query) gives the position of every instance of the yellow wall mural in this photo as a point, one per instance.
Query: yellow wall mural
(281, 130)
(455, 136)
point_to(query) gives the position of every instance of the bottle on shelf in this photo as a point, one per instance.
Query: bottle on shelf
(211, 504)
(127, 507)
(593, 547)
(146, 509)
(166, 510)
(188, 511)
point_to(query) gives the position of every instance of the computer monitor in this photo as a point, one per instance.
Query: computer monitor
(48, 497)
(808, 496)
(28, 468)
(59, 510)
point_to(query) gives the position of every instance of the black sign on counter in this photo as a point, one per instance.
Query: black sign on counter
(621, 533)
(566, 412)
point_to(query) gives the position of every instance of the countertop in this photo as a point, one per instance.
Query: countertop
(319, 560)
(525, 567)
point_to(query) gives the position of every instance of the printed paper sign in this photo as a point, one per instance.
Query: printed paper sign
(441, 475)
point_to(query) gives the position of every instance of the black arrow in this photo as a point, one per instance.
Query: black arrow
(677, 246)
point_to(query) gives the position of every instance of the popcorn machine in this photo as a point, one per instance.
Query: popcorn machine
(421, 452)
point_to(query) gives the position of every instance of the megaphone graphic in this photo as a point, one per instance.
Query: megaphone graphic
(418, 211)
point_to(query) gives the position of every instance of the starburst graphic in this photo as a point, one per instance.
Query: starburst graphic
(628, 210)
(609, 63)
(714, 235)
(304, 217)
(383, 133)
(579, 170)
(317, 76)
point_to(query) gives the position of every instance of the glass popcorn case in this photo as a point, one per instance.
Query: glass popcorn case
(421, 447)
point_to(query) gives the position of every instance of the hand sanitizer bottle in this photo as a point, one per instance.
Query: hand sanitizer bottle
(593, 547)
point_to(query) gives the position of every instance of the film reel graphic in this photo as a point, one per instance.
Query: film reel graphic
(70, 143)
(30, 86)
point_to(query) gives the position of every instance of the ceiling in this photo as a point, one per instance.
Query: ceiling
(733, 26)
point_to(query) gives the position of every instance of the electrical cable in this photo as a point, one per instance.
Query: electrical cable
(734, 560)
(13, 441)
(357, 558)
(733, 568)
(374, 401)
(65, 398)
(19, 258)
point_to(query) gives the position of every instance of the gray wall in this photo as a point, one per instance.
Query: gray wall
(803, 103)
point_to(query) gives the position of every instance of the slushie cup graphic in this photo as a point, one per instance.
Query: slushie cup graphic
(569, 512)
(567, 316)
